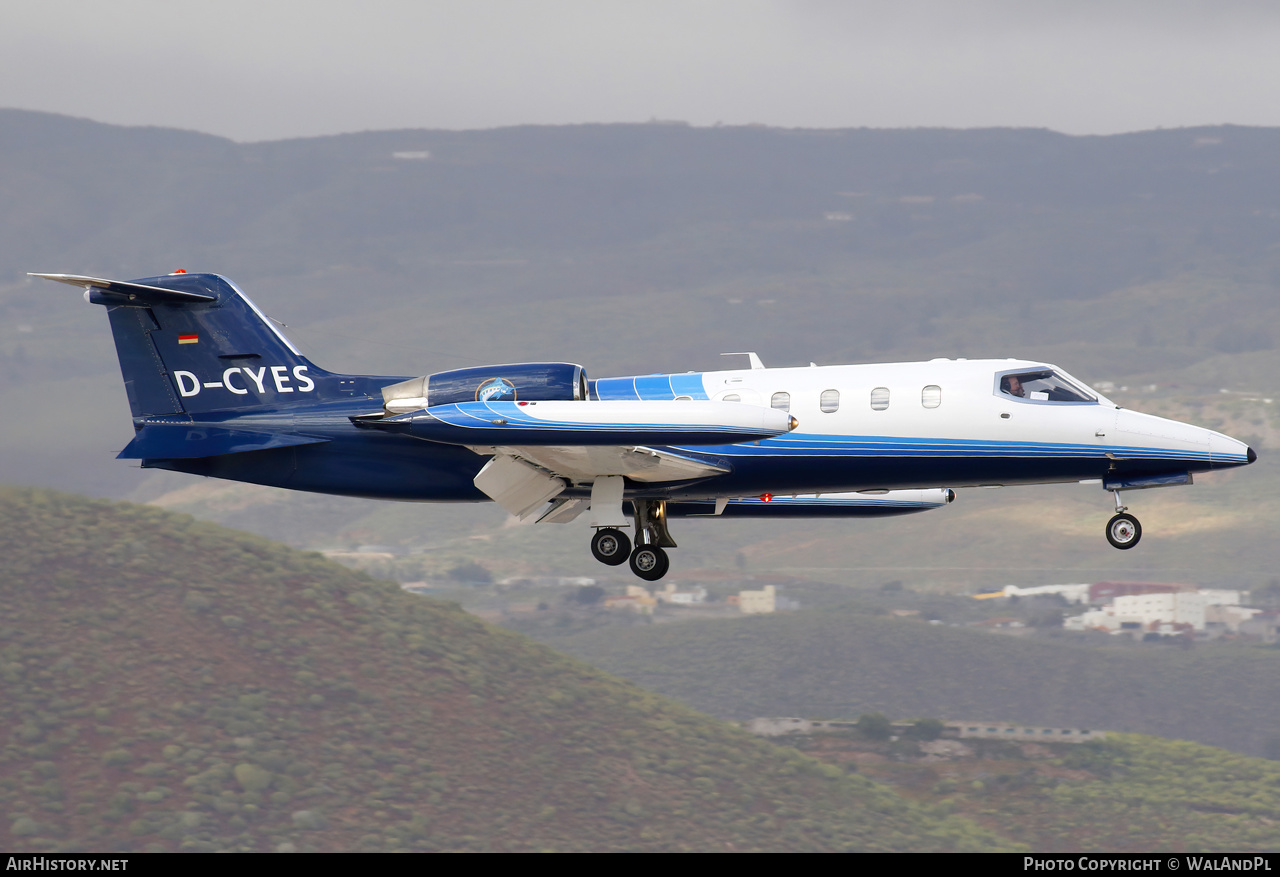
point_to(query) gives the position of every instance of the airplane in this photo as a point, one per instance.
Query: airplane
(216, 389)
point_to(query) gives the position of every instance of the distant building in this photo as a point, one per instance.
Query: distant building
(785, 726)
(1021, 733)
(1168, 612)
(762, 602)
(693, 597)
(1101, 592)
(637, 599)
(546, 582)
(1265, 625)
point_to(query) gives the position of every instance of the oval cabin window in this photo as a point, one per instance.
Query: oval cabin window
(880, 398)
(781, 401)
(931, 396)
(830, 401)
(730, 397)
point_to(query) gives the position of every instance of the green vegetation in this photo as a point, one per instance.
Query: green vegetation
(167, 684)
(1126, 793)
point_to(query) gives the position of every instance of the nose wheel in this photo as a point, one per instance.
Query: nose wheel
(1123, 530)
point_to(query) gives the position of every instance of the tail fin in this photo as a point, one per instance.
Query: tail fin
(189, 343)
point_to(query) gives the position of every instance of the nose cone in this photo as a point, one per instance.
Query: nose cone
(1228, 452)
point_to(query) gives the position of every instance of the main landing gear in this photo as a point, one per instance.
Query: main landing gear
(648, 559)
(1123, 530)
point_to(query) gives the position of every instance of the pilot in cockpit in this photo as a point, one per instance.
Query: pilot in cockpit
(1011, 385)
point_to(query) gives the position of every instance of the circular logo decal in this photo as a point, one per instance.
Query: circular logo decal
(496, 390)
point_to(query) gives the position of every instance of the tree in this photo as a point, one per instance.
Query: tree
(926, 729)
(874, 726)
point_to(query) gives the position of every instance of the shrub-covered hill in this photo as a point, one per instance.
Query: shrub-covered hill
(842, 661)
(1126, 793)
(172, 685)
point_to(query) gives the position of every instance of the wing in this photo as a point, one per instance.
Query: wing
(571, 424)
(539, 448)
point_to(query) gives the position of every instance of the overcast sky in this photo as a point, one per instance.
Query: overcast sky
(262, 70)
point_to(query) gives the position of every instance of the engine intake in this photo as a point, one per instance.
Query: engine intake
(525, 382)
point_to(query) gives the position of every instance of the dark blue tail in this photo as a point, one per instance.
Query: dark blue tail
(191, 343)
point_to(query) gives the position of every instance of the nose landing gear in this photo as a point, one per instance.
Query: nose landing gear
(1123, 530)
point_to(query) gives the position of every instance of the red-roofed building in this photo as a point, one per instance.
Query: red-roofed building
(1103, 592)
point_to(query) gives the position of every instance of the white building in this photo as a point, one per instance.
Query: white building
(669, 594)
(758, 602)
(1141, 612)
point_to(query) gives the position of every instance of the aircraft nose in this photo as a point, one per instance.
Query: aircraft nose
(1227, 452)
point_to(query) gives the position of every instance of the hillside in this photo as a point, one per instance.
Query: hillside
(170, 685)
(1128, 793)
(843, 661)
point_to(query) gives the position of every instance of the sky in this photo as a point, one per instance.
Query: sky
(271, 69)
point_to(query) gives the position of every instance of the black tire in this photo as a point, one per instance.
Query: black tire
(650, 562)
(1123, 531)
(610, 546)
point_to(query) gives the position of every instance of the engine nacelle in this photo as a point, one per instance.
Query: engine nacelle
(524, 382)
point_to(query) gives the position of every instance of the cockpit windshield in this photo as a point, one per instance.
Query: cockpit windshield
(1045, 385)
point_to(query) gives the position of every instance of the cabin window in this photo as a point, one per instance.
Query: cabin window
(879, 398)
(830, 401)
(730, 397)
(781, 401)
(1043, 385)
(931, 396)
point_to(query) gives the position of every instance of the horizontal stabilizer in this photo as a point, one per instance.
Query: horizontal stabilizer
(182, 442)
(125, 293)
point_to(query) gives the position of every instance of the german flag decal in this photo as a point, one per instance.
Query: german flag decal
(188, 339)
